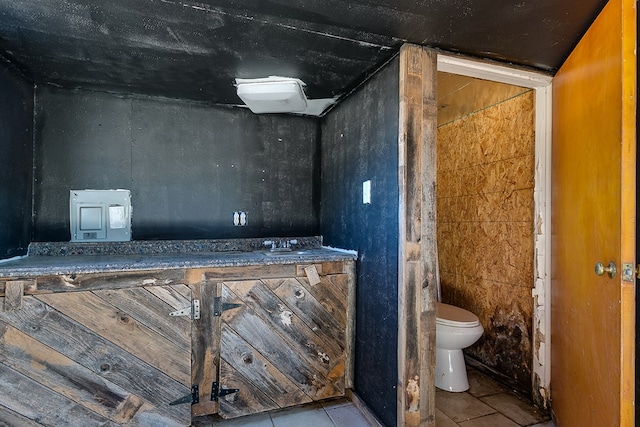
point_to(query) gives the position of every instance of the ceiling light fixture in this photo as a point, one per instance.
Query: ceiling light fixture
(272, 94)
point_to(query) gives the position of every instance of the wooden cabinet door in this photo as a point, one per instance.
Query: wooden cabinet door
(94, 357)
(282, 342)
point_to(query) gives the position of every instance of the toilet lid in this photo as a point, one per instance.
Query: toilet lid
(450, 315)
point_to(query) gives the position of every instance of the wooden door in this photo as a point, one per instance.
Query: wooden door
(282, 342)
(593, 220)
(95, 358)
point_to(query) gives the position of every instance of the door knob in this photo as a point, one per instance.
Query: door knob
(610, 269)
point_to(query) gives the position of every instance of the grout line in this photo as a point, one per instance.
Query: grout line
(330, 418)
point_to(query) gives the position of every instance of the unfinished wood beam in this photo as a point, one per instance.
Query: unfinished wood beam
(417, 242)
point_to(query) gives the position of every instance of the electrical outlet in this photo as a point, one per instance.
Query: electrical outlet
(240, 219)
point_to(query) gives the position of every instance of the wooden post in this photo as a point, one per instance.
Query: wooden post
(350, 271)
(205, 342)
(417, 243)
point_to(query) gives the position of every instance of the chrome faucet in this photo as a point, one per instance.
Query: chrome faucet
(280, 246)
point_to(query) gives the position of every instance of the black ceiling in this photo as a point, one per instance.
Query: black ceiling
(194, 50)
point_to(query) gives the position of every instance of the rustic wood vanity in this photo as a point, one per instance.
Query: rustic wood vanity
(155, 333)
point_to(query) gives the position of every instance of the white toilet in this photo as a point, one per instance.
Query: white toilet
(456, 328)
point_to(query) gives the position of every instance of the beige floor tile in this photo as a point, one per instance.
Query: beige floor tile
(257, 420)
(461, 406)
(307, 416)
(347, 416)
(493, 420)
(443, 421)
(481, 385)
(515, 408)
(545, 424)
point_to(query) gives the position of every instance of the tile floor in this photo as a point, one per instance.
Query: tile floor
(332, 413)
(487, 403)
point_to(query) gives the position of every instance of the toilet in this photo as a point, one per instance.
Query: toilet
(456, 328)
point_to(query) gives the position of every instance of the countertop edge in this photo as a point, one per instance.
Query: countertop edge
(34, 266)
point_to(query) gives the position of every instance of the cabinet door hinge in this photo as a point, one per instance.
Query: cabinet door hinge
(219, 306)
(215, 392)
(193, 311)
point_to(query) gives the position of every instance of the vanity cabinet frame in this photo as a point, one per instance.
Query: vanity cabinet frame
(104, 346)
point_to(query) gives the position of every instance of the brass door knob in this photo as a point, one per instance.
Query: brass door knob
(610, 269)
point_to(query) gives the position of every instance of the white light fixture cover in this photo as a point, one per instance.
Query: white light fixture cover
(272, 94)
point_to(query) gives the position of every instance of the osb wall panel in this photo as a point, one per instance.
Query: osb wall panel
(485, 211)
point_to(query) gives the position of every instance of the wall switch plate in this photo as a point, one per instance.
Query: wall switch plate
(366, 192)
(240, 219)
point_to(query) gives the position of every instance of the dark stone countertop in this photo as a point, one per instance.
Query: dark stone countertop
(59, 258)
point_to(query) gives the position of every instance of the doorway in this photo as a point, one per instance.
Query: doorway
(474, 272)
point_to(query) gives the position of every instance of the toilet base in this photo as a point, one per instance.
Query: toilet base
(451, 371)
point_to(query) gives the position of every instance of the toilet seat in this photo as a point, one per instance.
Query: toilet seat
(450, 315)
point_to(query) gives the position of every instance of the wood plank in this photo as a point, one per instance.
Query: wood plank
(120, 328)
(332, 267)
(248, 400)
(321, 354)
(417, 127)
(150, 311)
(341, 281)
(301, 301)
(59, 373)
(99, 355)
(27, 284)
(274, 283)
(252, 328)
(176, 296)
(329, 296)
(109, 280)
(10, 418)
(129, 408)
(428, 240)
(24, 396)
(148, 415)
(247, 272)
(350, 329)
(259, 371)
(205, 342)
(13, 290)
(324, 268)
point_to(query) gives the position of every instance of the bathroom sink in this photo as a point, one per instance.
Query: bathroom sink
(285, 253)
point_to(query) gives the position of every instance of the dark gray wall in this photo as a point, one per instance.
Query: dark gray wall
(16, 161)
(359, 143)
(188, 165)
